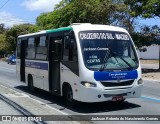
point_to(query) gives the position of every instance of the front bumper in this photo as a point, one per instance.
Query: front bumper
(99, 95)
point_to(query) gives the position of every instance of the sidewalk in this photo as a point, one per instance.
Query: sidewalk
(15, 103)
(151, 76)
(150, 66)
(150, 73)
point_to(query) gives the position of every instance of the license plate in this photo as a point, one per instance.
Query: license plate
(117, 98)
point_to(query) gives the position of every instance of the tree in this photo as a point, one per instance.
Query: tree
(15, 31)
(144, 8)
(3, 44)
(62, 4)
(141, 39)
(90, 11)
(146, 36)
(2, 29)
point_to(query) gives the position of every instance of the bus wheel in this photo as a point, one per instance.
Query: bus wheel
(30, 84)
(121, 101)
(69, 97)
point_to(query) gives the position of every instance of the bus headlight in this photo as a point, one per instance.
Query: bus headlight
(140, 81)
(88, 84)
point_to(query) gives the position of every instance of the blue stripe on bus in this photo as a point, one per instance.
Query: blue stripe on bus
(37, 65)
(122, 75)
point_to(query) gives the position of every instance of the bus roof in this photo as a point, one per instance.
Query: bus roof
(47, 31)
(87, 26)
(78, 27)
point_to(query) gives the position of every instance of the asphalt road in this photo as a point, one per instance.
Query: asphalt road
(148, 104)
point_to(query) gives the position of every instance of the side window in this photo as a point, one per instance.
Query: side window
(70, 49)
(18, 48)
(132, 53)
(31, 49)
(42, 45)
(66, 49)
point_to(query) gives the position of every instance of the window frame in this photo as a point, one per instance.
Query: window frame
(38, 39)
(27, 47)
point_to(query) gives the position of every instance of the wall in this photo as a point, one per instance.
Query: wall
(151, 53)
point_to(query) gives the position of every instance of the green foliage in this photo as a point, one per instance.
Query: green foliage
(3, 44)
(141, 40)
(144, 8)
(115, 12)
(2, 29)
(147, 36)
(82, 11)
(15, 31)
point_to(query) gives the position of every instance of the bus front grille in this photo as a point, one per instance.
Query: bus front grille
(116, 84)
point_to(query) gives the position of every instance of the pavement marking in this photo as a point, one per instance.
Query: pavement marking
(49, 106)
(8, 88)
(8, 95)
(7, 69)
(34, 100)
(150, 98)
(147, 79)
(16, 95)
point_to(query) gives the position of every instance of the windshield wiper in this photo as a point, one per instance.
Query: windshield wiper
(114, 55)
(129, 65)
(105, 60)
(110, 53)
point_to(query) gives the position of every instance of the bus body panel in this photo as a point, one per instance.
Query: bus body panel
(67, 76)
(91, 94)
(80, 92)
(39, 71)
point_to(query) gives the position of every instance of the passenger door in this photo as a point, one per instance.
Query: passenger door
(69, 66)
(55, 55)
(22, 60)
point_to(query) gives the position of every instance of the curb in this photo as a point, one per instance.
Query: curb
(147, 79)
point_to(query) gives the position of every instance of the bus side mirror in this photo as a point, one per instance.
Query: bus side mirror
(68, 42)
(58, 41)
(57, 55)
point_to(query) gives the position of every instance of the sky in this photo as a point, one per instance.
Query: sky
(26, 11)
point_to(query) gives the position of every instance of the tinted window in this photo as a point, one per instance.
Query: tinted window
(70, 51)
(41, 48)
(30, 52)
(107, 49)
(18, 48)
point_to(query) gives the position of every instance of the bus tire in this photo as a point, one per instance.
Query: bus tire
(69, 96)
(30, 84)
(121, 101)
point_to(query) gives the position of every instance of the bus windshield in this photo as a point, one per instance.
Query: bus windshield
(108, 50)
